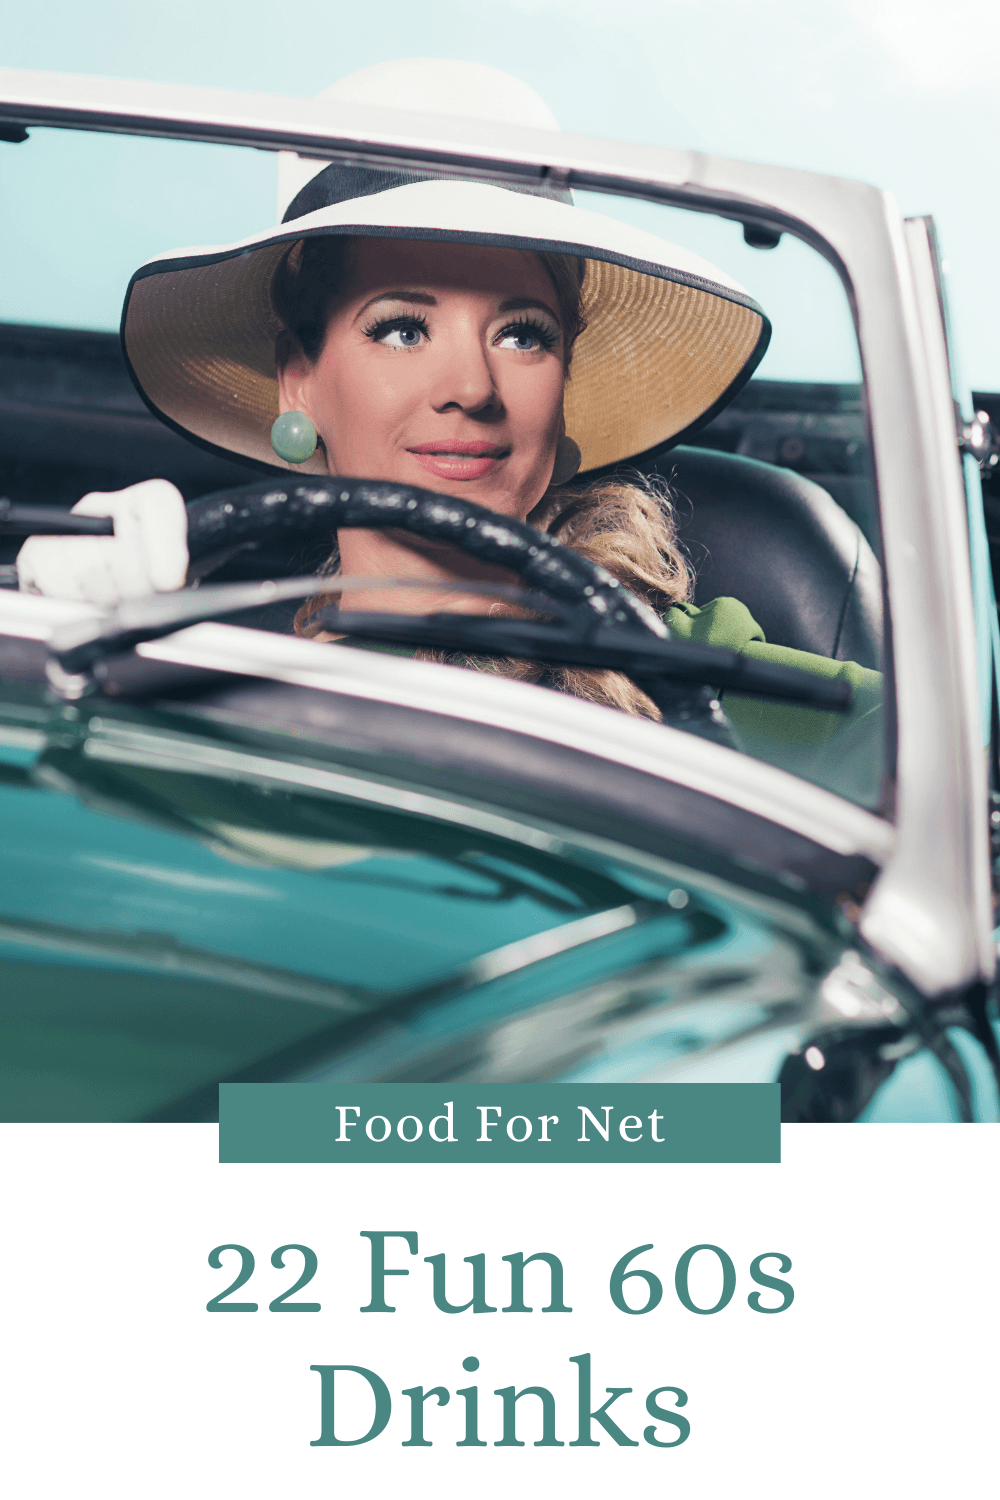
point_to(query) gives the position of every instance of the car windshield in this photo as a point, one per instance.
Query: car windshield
(773, 499)
(232, 853)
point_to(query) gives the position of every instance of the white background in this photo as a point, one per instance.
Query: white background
(880, 1380)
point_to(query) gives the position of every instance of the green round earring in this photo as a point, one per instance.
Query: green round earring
(293, 437)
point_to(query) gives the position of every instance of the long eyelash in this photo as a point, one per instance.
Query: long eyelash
(545, 335)
(386, 325)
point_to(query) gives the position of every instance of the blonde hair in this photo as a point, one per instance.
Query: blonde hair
(625, 524)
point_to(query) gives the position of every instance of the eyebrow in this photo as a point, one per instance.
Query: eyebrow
(400, 294)
(522, 304)
(425, 299)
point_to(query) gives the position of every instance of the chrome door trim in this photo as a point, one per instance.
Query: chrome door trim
(670, 755)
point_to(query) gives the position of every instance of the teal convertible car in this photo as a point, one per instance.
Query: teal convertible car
(230, 853)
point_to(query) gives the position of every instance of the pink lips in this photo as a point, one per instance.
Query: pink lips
(458, 460)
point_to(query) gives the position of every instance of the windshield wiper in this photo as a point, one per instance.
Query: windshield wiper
(660, 667)
(640, 656)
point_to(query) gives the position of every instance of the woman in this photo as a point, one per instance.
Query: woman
(476, 339)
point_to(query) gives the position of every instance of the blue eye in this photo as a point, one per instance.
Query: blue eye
(526, 337)
(523, 339)
(406, 337)
(398, 333)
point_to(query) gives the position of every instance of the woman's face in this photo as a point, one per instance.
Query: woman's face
(443, 366)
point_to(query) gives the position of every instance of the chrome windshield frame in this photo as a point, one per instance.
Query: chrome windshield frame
(927, 912)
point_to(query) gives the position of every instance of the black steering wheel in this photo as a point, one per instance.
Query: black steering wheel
(267, 514)
(270, 514)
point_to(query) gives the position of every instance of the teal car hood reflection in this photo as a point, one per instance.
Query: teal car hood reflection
(381, 922)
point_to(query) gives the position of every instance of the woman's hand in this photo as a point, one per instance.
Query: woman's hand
(147, 555)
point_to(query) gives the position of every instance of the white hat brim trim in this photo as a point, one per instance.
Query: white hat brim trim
(475, 211)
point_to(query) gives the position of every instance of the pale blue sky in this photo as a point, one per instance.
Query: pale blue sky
(899, 92)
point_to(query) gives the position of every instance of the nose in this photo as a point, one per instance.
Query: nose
(463, 377)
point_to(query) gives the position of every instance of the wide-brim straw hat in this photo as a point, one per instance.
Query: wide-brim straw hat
(669, 340)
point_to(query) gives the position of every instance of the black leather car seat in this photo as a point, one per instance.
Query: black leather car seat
(783, 546)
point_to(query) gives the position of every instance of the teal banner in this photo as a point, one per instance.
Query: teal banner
(507, 1122)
